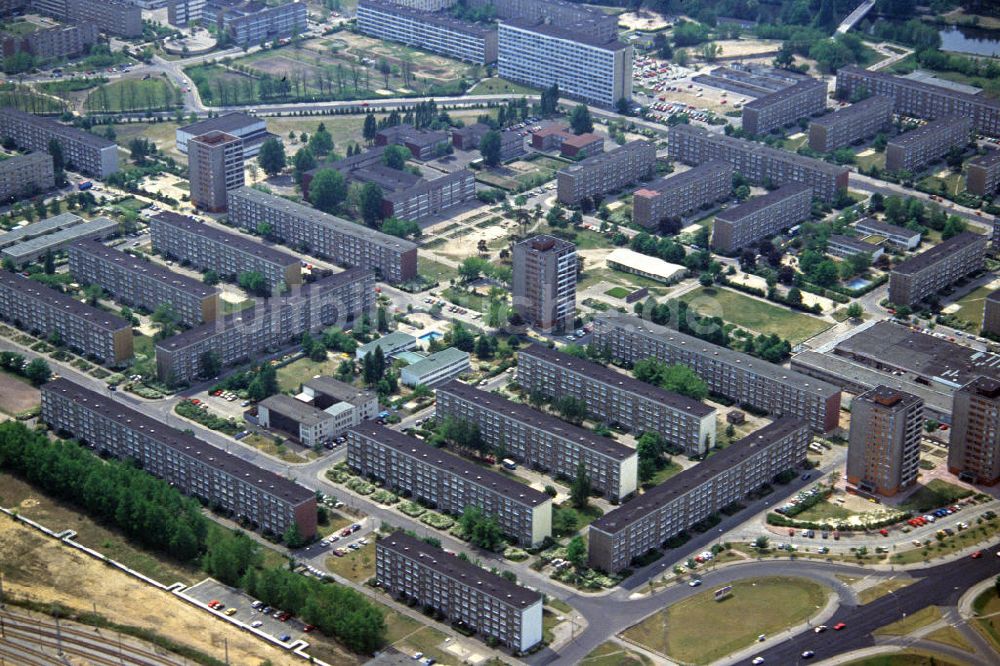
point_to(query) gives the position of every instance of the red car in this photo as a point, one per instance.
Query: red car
(839, 626)
(976, 555)
(308, 628)
(884, 532)
(213, 603)
(345, 532)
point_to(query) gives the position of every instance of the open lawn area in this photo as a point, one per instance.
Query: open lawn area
(756, 606)
(824, 511)
(153, 94)
(296, 372)
(498, 86)
(618, 292)
(908, 658)
(934, 495)
(17, 394)
(408, 636)
(610, 653)
(755, 315)
(164, 135)
(879, 590)
(910, 623)
(866, 158)
(358, 565)
(434, 271)
(971, 307)
(953, 182)
(987, 605)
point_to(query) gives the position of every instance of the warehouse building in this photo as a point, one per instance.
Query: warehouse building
(855, 123)
(82, 151)
(41, 228)
(917, 148)
(682, 194)
(629, 261)
(606, 172)
(784, 107)
(753, 221)
(941, 266)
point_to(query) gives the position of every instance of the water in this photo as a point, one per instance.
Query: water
(433, 335)
(971, 40)
(858, 283)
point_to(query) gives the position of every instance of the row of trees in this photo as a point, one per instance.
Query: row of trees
(37, 370)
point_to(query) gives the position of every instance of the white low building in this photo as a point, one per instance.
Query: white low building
(654, 268)
(436, 368)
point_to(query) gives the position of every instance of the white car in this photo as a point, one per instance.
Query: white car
(757, 661)
(256, 623)
(695, 583)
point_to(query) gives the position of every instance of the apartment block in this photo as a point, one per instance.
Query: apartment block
(760, 164)
(917, 148)
(253, 22)
(142, 284)
(215, 166)
(24, 176)
(269, 501)
(207, 247)
(325, 392)
(36, 247)
(449, 483)
(541, 441)
(899, 237)
(581, 146)
(48, 43)
(413, 198)
(653, 518)
(571, 15)
(585, 65)
(409, 568)
(974, 448)
(883, 452)
(82, 151)
(273, 324)
(544, 292)
(438, 33)
(606, 172)
(919, 99)
(326, 236)
(117, 17)
(838, 245)
(425, 5)
(682, 194)
(982, 177)
(760, 217)
(784, 107)
(251, 129)
(932, 270)
(184, 12)
(991, 314)
(617, 399)
(732, 374)
(32, 307)
(847, 126)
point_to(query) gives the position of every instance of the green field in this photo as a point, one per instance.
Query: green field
(987, 605)
(24, 98)
(498, 86)
(154, 94)
(934, 495)
(953, 183)
(296, 372)
(909, 658)
(971, 307)
(617, 292)
(434, 271)
(756, 606)
(610, 653)
(910, 623)
(756, 315)
(19, 28)
(865, 163)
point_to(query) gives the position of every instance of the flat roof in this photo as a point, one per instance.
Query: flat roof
(458, 569)
(45, 226)
(581, 140)
(684, 482)
(757, 204)
(438, 360)
(67, 235)
(339, 390)
(605, 157)
(216, 138)
(939, 252)
(986, 387)
(387, 341)
(455, 465)
(994, 296)
(605, 375)
(59, 301)
(991, 157)
(148, 269)
(228, 123)
(883, 228)
(861, 108)
(645, 263)
(669, 182)
(731, 357)
(423, 186)
(853, 243)
(241, 243)
(538, 420)
(180, 441)
(929, 129)
(314, 216)
(935, 88)
(50, 125)
(885, 396)
(547, 243)
(780, 96)
(296, 410)
(573, 33)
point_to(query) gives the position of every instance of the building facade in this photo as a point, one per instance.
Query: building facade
(678, 195)
(269, 501)
(931, 271)
(544, 292)
(143, 284)
(760, 217)
(737, 376)
(899, 237)
(606, 172)
(24, 176)
(838, 245)
(409, 568)
(254, 22)
(541, 441)
(991, 314)
(58, 42)
(855, 123)
(117, 17)
(618, 399)
(917, 148)
(326, 236)
(784, 107)
(571, 15)
(449, 483)
(438, 33)
(650, 520)
(436, 368)
(424, 198)
(324, 392)
(883, 453)
(760, 164)
(251, 129)
(35, 308)
(982, 176)
(215, 166)
(82, 151)
(184, 12)
(974, 448)
(299, 420)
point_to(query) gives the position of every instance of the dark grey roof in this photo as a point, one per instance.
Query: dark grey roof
(855, 244)
(872, 225)
(862, 108)
(887, 397)
(939, 252)
(677, 486)
(339, 390)
(600, 159)
(216, 235)
(991, 157)
(670, 182)
(423, 186)
(442, 19)
(178, 440)
(924, 132)
(572, 33)
(49, 125)
(604, 375)
(459, 570)
(780, 96)
(986, 387)
(452, 464)
(981, 100)
(146, 268)
(60, 302)
(229, 123)
(756, 204)
(40, 228)
(547, 243)
(296, 410)
(533, 418)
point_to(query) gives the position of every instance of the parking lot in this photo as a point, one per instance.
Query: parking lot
(208, 591)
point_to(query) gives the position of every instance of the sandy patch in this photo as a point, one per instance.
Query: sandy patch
(951, 309)
(16, 396)
(868, 152)
(383, 91)
(748, 47)
(750, 281)
(691, 229)
(797, 135)
(615, 205)
(943, 173)
(643, 20)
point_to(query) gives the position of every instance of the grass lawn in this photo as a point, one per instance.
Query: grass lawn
(408, 636)
(950, 636)
(865, 162)
(434, 271)
(934, 495)
(270, 447)
(953, 182)
(560, 605)
(909, 658)
(498, 86)
(756, 315)
(610, 653)
(774, 603)
(20, 28)
(971, 307)
(26, 99)
(669, 470)
(879, 590)
(358, 565)
(343, 129)
(296, 372)
(910, 623)
(164, 134)
(617, 292)
(465, 299)
(791, 145)
(707, 222)
(153, 94)
(824, 511)
(336, 522)
(987, 605)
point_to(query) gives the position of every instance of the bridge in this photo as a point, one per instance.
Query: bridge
(855, 16)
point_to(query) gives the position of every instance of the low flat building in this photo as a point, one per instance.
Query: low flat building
(35, 248)
(982, 176)
(550, 137)
(34, 308)
(580, 146)
(448, 482)
(299, 420)
(784, 107)
(899, 237)
(469, 137)
(913, 150)
(390, 344)
(429, 31)
(269, 501)
(842, 246)
(251, 129)
(41, 228)
(24, 176)
(857, 122)
(606, 172)
(436, 368)
(679, 195)
(753, 221)
(82, 151)
(648, 521)
(883, 453)
(541, 441)
(423, 144)
(325, 392)
(941, 266)
(617, 399)
(411, 569)
(629, 261)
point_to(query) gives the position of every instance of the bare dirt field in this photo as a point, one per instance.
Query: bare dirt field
(643, 20)
(748, 47)
(16, 395)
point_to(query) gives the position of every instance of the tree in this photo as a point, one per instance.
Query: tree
(579, 492)
(471, 268)
(395, 157)
(303, 162)
(564, 521)
(272, 156)
(576, 552)
(571, 408)
(209, 364)
(50, 263)
(165, 317)
(580, 120)
(761, 542)
(230, 555)
(394, 226)
(855, 311)
(785, 56)
(210, 277)
(682, 379)
(549, 101)
(370, 128)
(56, 151)
(327, 190)
(321, 143)
(489, 147)
(292, 537)
(794, 297)
(370, 203)
(38, 371)
(253, 282)
(481, 530)
(650, 449)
